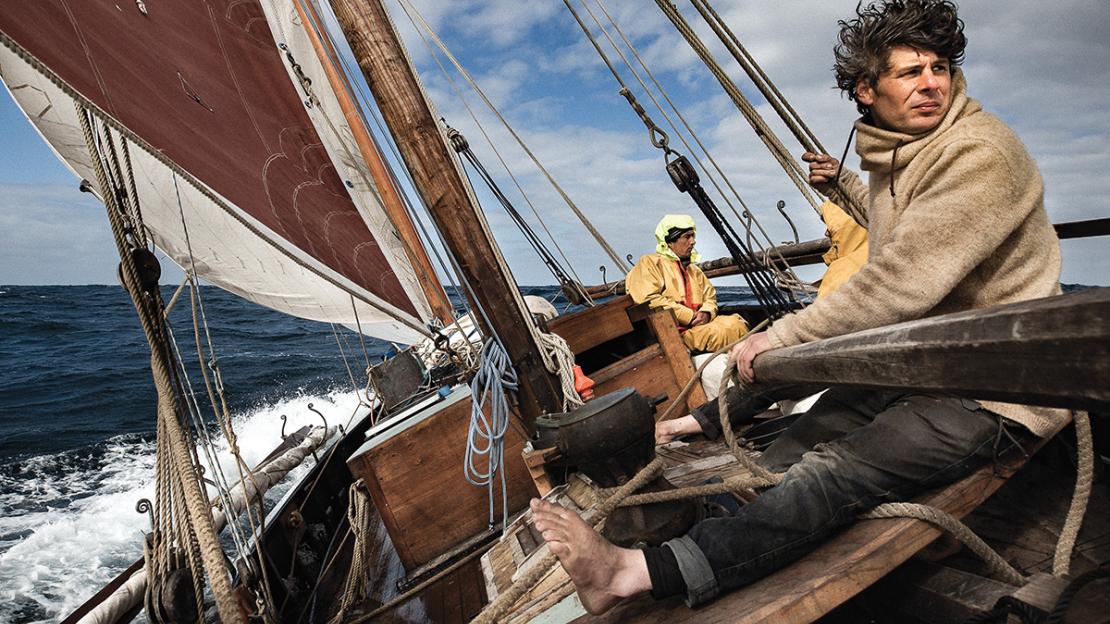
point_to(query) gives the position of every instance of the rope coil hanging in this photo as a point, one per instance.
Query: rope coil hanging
(485, 437)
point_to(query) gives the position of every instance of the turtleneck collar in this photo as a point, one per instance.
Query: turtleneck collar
(888, 151)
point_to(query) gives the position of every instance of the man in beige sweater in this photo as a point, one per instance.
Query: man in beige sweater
(954, 209)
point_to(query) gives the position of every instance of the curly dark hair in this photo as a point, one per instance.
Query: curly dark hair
(865, 42)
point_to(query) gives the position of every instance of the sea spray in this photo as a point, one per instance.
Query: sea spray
(68, 523)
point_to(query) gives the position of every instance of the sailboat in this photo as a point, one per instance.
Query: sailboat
(243, 160)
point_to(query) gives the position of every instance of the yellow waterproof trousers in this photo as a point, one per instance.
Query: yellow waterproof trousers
(716, 334)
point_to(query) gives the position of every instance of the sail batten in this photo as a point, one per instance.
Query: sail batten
(269, 215)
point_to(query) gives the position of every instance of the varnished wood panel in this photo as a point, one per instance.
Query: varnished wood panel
(416, 481)
(666, 332)
(648, 371)
(593, 326)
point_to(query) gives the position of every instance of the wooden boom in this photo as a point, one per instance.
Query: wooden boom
(1052, 352)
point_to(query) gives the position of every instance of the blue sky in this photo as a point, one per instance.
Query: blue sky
(1044, 68)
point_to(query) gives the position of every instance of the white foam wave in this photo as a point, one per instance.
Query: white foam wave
(66, 535)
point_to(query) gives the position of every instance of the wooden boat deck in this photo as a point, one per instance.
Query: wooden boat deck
(802, 592)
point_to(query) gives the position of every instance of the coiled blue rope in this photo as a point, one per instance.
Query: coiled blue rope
(485, 439)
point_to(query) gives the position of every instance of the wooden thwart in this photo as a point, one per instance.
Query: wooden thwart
(1053, 352)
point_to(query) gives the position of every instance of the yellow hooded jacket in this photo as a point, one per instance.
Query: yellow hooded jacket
(660, 280)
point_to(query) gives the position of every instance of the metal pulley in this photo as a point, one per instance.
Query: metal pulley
(458, 141)
(682, 173)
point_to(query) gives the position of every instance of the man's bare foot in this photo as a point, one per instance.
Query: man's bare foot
(602, 572)
(667, 430)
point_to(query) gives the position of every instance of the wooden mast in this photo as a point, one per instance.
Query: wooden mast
(391, 198)
(380, 54)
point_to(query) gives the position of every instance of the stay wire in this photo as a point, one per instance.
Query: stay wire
(763, 131)
(336, 129)
(450, 269)
(761, 284)
(754, 272)
(617, 260)
(223, 418)
(481, 128)
(786, 273)
(460, 144)
(789, 116)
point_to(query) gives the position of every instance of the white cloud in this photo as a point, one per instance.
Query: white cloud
(1050, 89)
(1043, 68)
(58, 235)
(50, 232)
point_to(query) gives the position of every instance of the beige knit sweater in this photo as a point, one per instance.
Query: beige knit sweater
(956, 221)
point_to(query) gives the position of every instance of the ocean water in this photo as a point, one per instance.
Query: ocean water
(77, 424)
(77, 408)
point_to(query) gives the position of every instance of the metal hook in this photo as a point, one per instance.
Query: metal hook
(602, 269)
(284, 419)
(145, 506)
(628, 257)
(200, 473)
(782, 210)
(747, 228)
(320, 415)
(325, 428)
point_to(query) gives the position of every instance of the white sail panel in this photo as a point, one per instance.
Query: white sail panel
(227, 246)
(335, 132)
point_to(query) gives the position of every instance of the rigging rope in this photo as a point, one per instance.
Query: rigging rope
(763, 131)
(790, 117)
(223, 419)
(785, 275)
(617, 260)
(359, 515)
(450, 270)
(341, 133)
(197, 517)
(462, 147)
(559, 360)
(156, 154)
(1061, 563)
(759, 276)
(481, 128)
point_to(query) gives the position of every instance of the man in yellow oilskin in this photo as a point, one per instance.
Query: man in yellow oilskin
(669, 279)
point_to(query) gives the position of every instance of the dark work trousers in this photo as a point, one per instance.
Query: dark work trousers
(852, 451)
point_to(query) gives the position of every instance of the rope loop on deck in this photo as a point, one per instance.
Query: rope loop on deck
(485, 437)
(937, 517)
